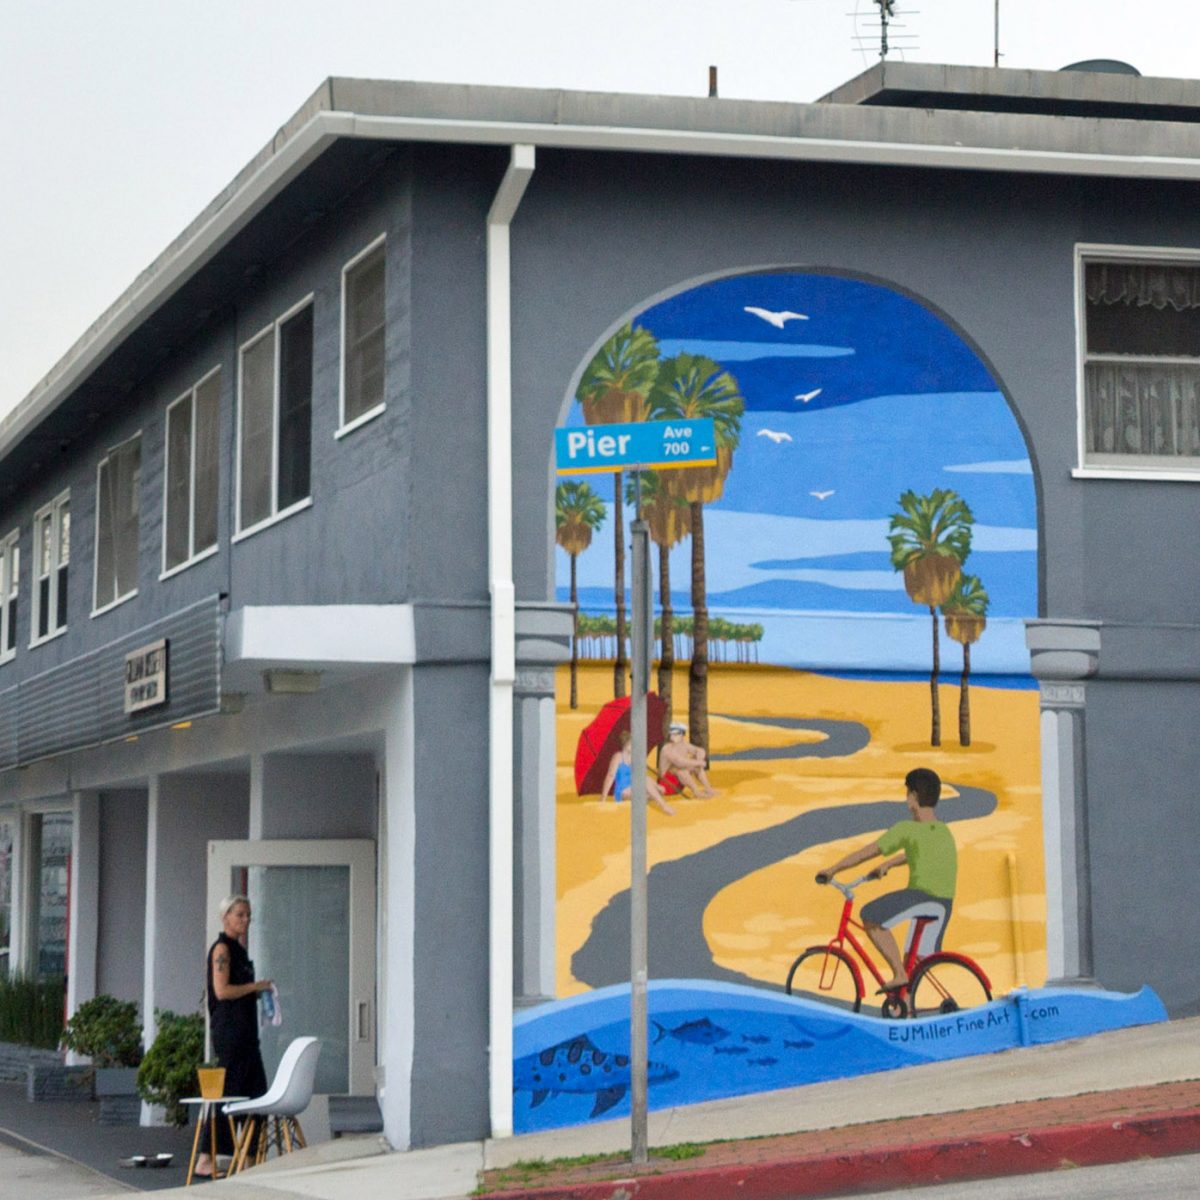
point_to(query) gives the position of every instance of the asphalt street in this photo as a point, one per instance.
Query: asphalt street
(1162, 1178)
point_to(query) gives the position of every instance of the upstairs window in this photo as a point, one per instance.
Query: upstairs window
(190, 482)
(118, 483)
(1141, 362)
(51, 562)
(363, 336)
(275, 420)
(10, 575)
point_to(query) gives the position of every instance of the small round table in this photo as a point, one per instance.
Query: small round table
(210, 1113)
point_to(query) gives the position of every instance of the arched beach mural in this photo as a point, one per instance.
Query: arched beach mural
(845, 595)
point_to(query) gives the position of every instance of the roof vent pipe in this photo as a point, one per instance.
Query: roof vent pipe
(712, 83)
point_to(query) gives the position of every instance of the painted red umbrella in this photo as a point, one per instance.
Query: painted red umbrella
(602, 739)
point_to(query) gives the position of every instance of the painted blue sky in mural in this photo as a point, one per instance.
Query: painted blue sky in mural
(854, 394)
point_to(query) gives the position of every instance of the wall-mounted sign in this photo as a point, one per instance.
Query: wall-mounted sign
(650, 445)
(146, 677)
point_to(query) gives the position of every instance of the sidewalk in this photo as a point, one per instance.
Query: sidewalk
(1109, 1098)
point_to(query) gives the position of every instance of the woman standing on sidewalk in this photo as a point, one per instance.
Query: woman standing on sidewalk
(232, 994)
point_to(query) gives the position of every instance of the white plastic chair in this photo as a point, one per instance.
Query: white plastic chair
(272, 1116)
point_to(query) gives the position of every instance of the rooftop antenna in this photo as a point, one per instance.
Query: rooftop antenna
(883, 29)
(996, 39)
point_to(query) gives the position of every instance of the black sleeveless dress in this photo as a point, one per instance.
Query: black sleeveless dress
(234, 1028)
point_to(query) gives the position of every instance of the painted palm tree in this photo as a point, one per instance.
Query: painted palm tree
(965, 615)
(614, 389)
(690, 385)
(578, 513)
(670, 520)
(931, 538)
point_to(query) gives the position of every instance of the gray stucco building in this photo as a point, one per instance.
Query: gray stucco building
(277, 534)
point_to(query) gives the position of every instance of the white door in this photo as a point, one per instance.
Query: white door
(313, 933)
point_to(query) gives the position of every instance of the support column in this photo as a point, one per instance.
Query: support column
(1062, 655)
(83, 918)
(543, 641)
(397, 913)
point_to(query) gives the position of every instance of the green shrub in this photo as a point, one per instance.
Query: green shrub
(107, 1030)
(168, 1072)
(31, 1010)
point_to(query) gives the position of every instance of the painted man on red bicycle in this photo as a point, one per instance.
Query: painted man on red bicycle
(927, 846)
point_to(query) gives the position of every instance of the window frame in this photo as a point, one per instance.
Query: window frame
(272, 327)
(97, 608)
(1162, 470)
(344, 426)
(195, 555)
(10, 552)
(51, 510)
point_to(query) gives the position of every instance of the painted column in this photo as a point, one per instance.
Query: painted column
(83, 918)
(397, 912)
(543, 641)
(1062, 655)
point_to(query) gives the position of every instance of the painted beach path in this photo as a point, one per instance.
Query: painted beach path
(680, 891)
(842, 738)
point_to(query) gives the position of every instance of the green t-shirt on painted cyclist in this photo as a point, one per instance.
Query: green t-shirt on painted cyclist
(931, 853)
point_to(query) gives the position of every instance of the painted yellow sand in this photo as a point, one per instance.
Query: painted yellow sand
(757, 925)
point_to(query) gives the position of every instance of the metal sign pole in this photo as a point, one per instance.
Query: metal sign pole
(638, 934)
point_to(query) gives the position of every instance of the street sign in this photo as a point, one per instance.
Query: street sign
(650, 445)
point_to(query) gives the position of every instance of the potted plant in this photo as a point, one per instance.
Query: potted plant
(168, 1072)
(107, 1031)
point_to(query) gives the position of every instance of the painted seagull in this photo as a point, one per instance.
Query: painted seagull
(822, 495)
(778, 319)
(775, 436)
(805, 397)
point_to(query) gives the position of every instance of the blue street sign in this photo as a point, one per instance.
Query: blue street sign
(650, 445)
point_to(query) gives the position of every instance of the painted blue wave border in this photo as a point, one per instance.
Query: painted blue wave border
(712, 1041)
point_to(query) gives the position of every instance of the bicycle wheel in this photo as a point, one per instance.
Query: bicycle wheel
(946, 983)
(826, 973)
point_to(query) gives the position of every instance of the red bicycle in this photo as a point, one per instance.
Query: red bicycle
(942, 982)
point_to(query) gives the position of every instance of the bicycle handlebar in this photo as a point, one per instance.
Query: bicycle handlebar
(847, 889)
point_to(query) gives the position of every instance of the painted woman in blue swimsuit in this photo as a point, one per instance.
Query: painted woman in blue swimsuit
(619, 779)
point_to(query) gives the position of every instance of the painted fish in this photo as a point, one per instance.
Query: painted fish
(759, 1039)
(731, 1049)
(762, 1062)
(803, 1044)
(579, 1066)
(700, 1033)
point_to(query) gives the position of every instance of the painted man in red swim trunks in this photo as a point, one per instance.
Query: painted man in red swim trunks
(680, 765)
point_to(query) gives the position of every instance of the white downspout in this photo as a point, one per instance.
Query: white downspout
(504, 637)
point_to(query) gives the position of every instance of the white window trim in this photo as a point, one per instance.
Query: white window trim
(208, 551)
(10, 541)
(270, 327)
(344, 426)
(267, 522)
(99, 610)
(1157, 471)
(63, 497)
(171, 572)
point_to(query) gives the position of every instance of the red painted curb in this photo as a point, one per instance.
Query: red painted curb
(988, 1156)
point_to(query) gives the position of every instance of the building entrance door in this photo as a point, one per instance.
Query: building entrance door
(313, 933)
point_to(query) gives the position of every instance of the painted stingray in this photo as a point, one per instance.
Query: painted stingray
(579, 1066)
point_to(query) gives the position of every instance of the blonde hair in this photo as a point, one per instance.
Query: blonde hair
(229, 901)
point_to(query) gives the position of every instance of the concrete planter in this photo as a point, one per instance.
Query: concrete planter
(15, 1059)
(116, 1089)
(57, 1082)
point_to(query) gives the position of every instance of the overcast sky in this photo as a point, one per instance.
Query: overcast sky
(125, 117)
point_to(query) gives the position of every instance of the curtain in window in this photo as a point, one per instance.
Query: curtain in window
(1143, 409)
(1157, 285)
(207, 455)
